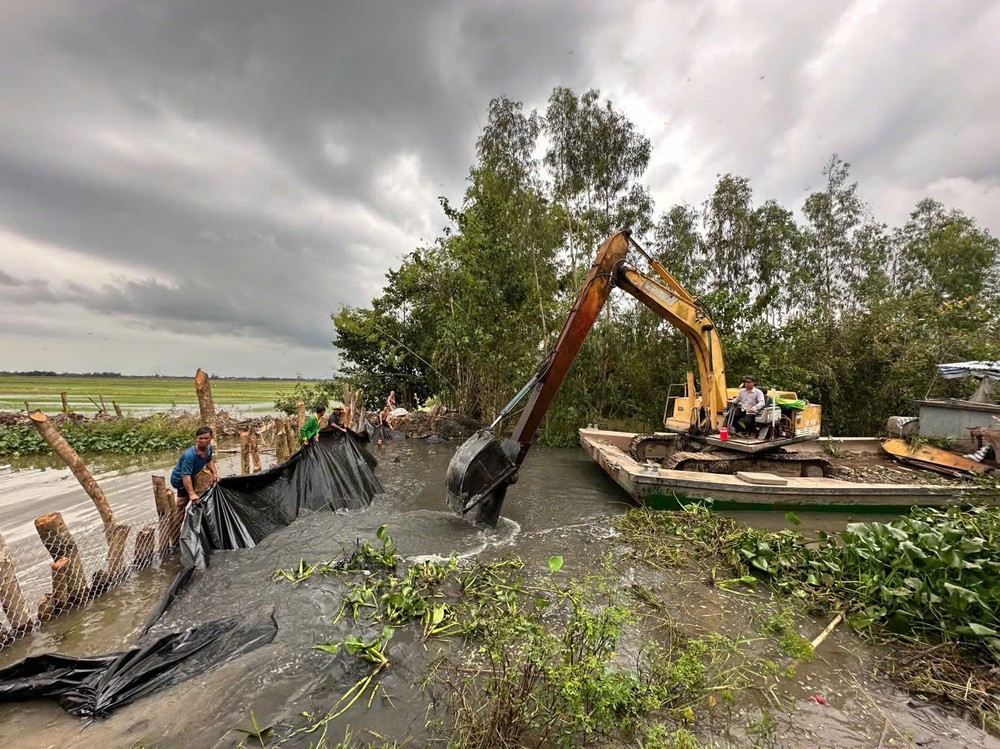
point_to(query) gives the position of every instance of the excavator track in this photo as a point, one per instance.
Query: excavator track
(666, 450)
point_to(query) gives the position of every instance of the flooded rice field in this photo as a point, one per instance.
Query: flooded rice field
(563, 504)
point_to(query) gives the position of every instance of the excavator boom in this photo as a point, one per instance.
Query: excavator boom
(483, 468)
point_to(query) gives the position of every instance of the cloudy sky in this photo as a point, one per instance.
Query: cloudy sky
(200, 183)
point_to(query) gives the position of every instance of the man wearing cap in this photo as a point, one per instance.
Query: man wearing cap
(747, 404)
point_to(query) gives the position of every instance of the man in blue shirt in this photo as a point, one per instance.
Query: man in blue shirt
(191, 464)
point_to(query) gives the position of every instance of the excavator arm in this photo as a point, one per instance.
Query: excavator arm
(483, 468)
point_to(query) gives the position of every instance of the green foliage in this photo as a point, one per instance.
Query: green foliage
(837, 307)
(312, 395)
(130, 436)
(930, 575)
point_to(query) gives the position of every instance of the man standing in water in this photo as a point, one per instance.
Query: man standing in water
(192, 461)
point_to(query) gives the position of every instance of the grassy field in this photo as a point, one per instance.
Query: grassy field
(137, 395)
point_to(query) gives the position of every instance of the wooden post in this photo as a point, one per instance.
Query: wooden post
(292, 438)
(202, 481)
(144, 546)
(65, 402)
(244, 453)
(299, 406)
(175, 527)
(104, 408)
(166, 510)
(60, 544)
(61, 599)
(27, 408)
(118, 409)
(254, 451)
(117, 539)
(11, 597)
(62, 448)
(280, 441)
(206, 406)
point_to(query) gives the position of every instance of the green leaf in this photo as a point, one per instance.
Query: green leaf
(555, 563)
(792, 518)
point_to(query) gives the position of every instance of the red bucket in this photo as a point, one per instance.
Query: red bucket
(724, 434)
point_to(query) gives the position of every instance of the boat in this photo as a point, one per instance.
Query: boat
(650, 484)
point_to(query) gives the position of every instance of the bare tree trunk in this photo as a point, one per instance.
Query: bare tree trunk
(166, 510)
(206, 406)
(62, 448)
(280, 441)
(301, 408)
(65, 402)
(254, 451)
(104, 408)
(118, 409)
(11, 597)
(291, 439)
(60, 544)
(244, 453)
(117, 539)
(144, 546)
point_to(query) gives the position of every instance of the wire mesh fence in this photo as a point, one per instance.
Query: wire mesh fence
(66, 565)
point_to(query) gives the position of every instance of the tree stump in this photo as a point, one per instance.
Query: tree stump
(280, 441)
(300, 407)
(117, 540)
(254, 451)
(291, 439)
(11, 598)
(60, 544)
(166, 511)
(145, 545)
(202, 481)
(244, 453)
(178, 522)
(206, 406)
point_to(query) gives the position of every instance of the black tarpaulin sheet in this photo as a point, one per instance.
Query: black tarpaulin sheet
(241, 511)
(94, 687)
(238, 512)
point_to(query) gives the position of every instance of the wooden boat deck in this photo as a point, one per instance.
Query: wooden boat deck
(661, 488)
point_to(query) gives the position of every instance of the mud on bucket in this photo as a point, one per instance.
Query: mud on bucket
(479, 473)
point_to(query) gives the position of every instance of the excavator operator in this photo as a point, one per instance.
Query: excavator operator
(743, 409)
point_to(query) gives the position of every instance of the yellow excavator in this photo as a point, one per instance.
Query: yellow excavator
(697, 435)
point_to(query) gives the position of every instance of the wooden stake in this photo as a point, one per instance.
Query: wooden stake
(62, 448)
(291, 438)
(27, 408)
(175, 527)
(299, 406)
(244, 453)
(118, 409)
(202, 481)
(11, 597)
(117, 539)
(65, 402)
(59, 542)
(206, 406)
(144, 547)
(280, 441)
(254, 452)
(166, 511)
(104, 408)
(61, 599)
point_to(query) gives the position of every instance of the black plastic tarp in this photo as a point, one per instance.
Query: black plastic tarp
(237, 513)
(94, 687)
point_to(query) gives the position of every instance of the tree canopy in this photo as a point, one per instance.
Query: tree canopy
(828, 301)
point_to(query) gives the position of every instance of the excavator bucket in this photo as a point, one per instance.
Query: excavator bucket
(479, 473)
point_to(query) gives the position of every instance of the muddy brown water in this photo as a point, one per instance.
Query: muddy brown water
(563, 504)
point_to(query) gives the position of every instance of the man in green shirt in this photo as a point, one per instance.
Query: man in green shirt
(310, 430)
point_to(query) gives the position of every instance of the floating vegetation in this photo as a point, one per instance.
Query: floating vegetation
(534, 658)
(929, 580)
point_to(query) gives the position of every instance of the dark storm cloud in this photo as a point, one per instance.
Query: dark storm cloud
(241, 168)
